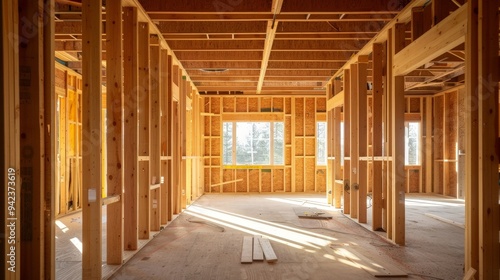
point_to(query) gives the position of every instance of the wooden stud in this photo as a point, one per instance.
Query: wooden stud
(92, 150)
(362, 138)
(130, 113)
(32, 140)
(49, 129)
(429, 166)
(114, 131)
(347, 141)
(398, 144)
(154, 136)
(354, 138)
(388, 135)
(246, 250)
(165, 137)
(338, 187)
(170, 135)
(10, 137)
(377, 95)
(144, 130)
(488, 132)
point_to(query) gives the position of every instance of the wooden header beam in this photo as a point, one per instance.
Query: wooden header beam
(336, 101)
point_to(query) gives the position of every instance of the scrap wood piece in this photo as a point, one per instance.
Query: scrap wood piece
(376, 268)
(268, 250)
(258, 255)
(311, 213)
(246, 250)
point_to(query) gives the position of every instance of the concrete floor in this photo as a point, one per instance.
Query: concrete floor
(204, 242)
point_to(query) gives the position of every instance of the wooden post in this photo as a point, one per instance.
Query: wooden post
(330, 170)
(10, 139)
(131, 164)
(92, 146)
(388, 135)
(362, 138)
(170, 148)
(489, 217)
(429, 166)
(50, 135)
(377, 95)
(155, 136)
(338, 188)
(354, 138)
(398, 143)
(114, 131)
(32, 138)
(182, 142)
(165, 140)
(144, 131)
(347, 141)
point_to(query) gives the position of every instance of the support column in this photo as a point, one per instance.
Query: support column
(92, 146)
(398, 143)
(9, 141)
(144, 131)
(170, 135)
(32, 138)
(377, 95)
(347, 141)
(362, 138)
(337, 175)
(114, 133)
(354, 112)
(165, 137)
(155, 135)
(131, 164)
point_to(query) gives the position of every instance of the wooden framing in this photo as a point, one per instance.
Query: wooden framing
(170, 135)
(50, 141)
(165, 140)
(114, 132)
(31, 91)
(92, 117)
(10, 140)
(354, 139)
(362, 137)
(144, 131)
(155, 135)
(398, 145)
(130, 164)
(347, 141)
(377, 96)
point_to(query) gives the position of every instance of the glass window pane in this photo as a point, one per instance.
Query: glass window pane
(321, 149)
(227, 144)
(279, 151)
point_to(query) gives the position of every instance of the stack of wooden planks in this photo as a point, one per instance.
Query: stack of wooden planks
(256, 248)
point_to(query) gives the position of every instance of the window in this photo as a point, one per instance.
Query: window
(412, 143)
(321, 149)
(253, 143)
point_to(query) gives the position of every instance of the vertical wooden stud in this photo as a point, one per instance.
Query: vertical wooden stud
(155, 135)
(377, 95)
(347, 141)
(362, 138)
(354, 171)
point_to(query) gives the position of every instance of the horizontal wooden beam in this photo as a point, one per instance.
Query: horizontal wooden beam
(218, 45)
(335, 101)
(322, 27)
(219, 56)
(212, 27)
(294, 16)
(441, 38)
(311, 56)
(374, 6)
(111, 199)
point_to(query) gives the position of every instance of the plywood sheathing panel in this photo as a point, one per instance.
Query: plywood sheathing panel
(277, 104)
(241, 104)
(320, 104)
(228, 104)
(310, 170)
(321, 180)
(310, 147)
(253, 104)
(228, 175)
(265, 104)
(207, 126)
(288, 155)
(278, 180)
(215, 179)
(243, 184)
(216, 126)
(215, 105)
(215, 148)
(288, 179)
(206, 176)
(413, 180)
(310, 118)
(265, 180)
(60, 78)
(288, 105)
(299, 147)
(253, 180)
(299, 116)
(414, 104)
(215, 161)
(299, 174)
(288, 130)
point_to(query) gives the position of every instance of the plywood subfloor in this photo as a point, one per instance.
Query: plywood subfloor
(204, 242)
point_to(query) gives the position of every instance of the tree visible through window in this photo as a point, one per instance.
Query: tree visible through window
(412, 141)
(255, 143)
(321, 143)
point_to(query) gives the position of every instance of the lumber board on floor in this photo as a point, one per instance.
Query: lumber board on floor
(311, 213)
(268, 250)
(246, 250)
(258, 254)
